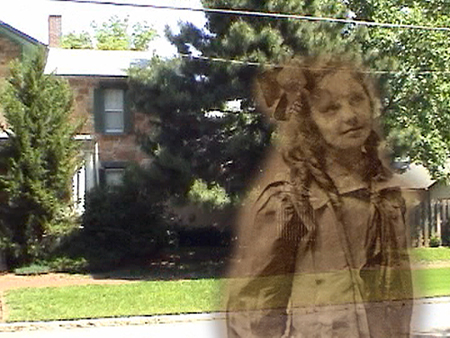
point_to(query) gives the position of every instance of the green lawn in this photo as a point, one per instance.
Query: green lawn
(432, 282)
(96, 301)
(172, 297)
(430, 255)
(151, 298)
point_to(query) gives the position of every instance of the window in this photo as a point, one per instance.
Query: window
(114, 176)
(114, 113)
(111, 113)
(112, 173)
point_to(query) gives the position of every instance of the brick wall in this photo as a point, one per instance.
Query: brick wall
(111, 147)
(54, 30)
(8, 52)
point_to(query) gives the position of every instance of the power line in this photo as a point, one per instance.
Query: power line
(258, 64)
(214, 59)
(264, 14)
(277, 16)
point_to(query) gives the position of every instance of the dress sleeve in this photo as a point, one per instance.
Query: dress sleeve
(400, 281)
(387, 277)
(260, 288)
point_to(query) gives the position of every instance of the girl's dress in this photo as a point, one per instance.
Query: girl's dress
(301, 273)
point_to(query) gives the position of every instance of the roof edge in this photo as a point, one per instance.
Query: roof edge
(21, 34)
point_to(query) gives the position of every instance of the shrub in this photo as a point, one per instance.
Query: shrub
(435, 242)
(204, 236)
(122, 223)
(67, 264)
(213, 196)
(33, 269)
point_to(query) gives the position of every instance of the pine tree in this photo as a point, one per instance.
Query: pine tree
(186, 144)
(43, 156)
(177, 93)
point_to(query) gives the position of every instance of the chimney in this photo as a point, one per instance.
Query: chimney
(54, 30)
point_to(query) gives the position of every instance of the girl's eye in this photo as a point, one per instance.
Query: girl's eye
(321, 99)
(330, 108)
(356, 98)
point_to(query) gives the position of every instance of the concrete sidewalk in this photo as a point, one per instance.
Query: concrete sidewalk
(184, 326)
(112, 322)
(431, 318)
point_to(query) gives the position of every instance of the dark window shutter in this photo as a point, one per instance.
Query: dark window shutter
(99, 108)
(127, 114)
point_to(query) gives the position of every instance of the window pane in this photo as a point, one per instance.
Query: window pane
(114, 121)
(113, 99)
(114, 176)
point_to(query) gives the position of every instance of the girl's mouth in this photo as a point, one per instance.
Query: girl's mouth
(351, 130)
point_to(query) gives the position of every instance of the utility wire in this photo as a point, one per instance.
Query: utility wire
(264, 14)
(272, 15)
(258, 64)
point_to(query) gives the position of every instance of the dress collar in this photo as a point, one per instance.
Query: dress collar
(318, 197)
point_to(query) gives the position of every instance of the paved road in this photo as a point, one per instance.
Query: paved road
(431, 319)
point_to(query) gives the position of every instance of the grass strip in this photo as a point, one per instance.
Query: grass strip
(153, 298)
(101, 301)
(431, 282)
(429, 255)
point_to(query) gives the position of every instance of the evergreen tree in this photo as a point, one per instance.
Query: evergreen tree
(43, 157)
(189, 146)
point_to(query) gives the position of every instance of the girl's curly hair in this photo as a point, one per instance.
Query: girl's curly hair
(286, 98)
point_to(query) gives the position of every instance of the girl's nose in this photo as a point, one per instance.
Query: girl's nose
(348, 113)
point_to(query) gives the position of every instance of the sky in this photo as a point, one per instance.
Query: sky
(31, 17)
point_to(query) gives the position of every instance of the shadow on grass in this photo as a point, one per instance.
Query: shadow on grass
(174, 264)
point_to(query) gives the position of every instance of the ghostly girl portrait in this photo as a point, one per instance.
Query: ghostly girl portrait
(322, 237)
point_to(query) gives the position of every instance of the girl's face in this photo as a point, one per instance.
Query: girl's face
(341, 110)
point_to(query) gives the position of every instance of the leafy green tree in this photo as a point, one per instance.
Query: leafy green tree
(43, 157)
(417, 91)
(114, 34)
(142, 35)
(73, 40)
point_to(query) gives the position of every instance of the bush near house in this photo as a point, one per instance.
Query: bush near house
(121, 224)
(204, 237)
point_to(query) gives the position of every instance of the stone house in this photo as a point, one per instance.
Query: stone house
(98, 80)
(99, 83)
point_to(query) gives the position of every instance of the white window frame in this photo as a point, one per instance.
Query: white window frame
(120, 110)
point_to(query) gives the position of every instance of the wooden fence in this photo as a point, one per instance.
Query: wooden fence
(430, 223)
